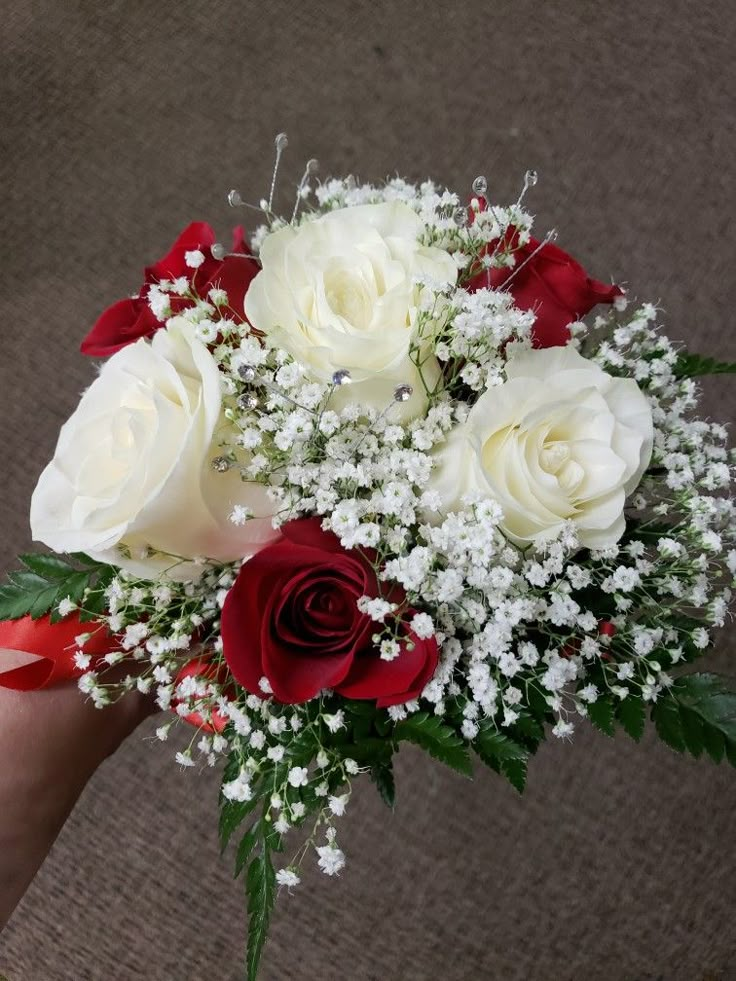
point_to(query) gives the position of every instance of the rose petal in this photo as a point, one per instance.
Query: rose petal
(197, 235)
(119, 325)
(292, 616)
(395, 681)
(551, 283)
(234, 276)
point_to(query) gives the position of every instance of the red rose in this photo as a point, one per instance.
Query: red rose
(292, 617)
(552, 284)
(127, 320)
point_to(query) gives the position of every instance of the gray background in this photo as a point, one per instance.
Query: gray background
(121, 122)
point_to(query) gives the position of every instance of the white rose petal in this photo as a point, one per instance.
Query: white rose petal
(341, 292)
(132, 466)
(559, 441)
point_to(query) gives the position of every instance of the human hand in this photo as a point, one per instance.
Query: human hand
(51, 742)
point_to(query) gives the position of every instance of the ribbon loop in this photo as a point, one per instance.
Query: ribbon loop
(52, 646)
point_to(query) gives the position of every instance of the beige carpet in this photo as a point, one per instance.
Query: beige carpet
(122, 121)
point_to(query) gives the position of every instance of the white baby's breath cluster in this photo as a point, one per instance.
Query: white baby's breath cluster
(464, 231)
(516, 623)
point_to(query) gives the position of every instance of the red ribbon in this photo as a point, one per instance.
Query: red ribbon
(53, 647)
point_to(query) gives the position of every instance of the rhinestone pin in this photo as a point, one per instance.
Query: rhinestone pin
(221, 464)
(341, 377)
(249, 400)
(530, 178)
(234, 199)
(402, 393)
(218, 251)
(480, 185)
(247, 372)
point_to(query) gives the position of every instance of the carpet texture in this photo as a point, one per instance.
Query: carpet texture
(123, 121)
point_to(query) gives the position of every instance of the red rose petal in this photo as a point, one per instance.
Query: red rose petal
(301, 592)
(296, 679)
(197, 235)
(309, 532)
(292, 617)
(120, 325)
(130, 319)
(552, 284)
(392, 682)
(234, 276)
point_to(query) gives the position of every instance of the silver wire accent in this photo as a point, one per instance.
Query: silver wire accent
(281, 142)
(311, 168)
(549, 237)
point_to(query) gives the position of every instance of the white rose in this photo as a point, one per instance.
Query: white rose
(133, 466)
(560, 440)
(341, 292)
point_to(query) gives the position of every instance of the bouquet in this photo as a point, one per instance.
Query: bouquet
(368, 478)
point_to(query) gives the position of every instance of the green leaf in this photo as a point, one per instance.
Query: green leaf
(666, 716)
(698, 713)
(245, 847)
(537, 702)
(632, 715)
(95, 604)
(363, 716)
(13, 602)
(708, 695)
(503, 754)
(705, 698)
(47, 566)
(232, 814)
(27, 581)
(714, 743)
(44, 583)
(360, 708)
(81, 558)
(274, 839)
(515, 773)
(45, 601)
(439, 740)
(301, 750)
(73, 587)
(261, 892)
(492, 744)
(232, 767)
(692, 365)
(692, 731)
(601, 715)
(529, 730)
(366, 751)
(384, 724)
(382, 775)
